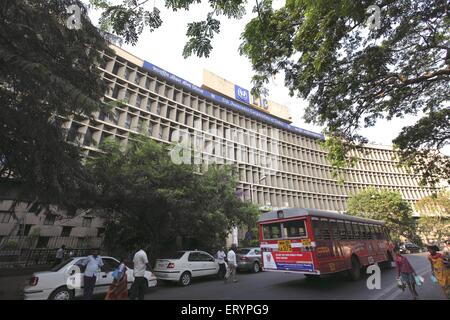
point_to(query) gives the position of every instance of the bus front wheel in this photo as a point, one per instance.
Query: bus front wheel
(355, 272)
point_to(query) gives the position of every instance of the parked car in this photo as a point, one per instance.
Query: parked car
(248, 259)
(65, 281)
(185, 265)
(410, 248)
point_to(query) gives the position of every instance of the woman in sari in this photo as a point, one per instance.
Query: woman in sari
(439, 270)
(118, 290)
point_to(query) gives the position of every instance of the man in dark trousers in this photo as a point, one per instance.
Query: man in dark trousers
(93, 264)
(139, 287)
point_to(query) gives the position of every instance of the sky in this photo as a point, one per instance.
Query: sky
(164, 46)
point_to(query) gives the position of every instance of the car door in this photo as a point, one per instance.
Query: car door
(255, 255)
(195, 264)
(209, 265)
(104, 277)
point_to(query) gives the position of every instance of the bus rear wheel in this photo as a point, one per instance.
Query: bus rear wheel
(355, 272)
(385, 265)
(311, 276)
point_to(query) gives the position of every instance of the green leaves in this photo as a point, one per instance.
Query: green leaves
(154, 200)
(384, 205)
(352, 76)
(201, 34)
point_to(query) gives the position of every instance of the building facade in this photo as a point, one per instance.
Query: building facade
(279, 165)
(160, 104)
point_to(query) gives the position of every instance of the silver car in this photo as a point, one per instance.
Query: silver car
(248, 259)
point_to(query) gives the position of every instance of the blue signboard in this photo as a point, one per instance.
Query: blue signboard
(241, 94)
(230, 103)
(295, 266)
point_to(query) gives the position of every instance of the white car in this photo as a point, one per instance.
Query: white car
(65, 281)
(185, 265)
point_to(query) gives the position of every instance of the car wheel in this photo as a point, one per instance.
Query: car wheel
(256, 267)
(185, 279)
(355, 271)
(62, 293)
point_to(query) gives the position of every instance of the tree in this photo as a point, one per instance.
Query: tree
(353, 76)
(47, 73)
(384, 205)
(153, 201)
(129, 18)
(434, 221)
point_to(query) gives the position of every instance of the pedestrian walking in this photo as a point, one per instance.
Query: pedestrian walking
(221, 256)
(405, 272)
(59, 255)
(93, 264)
(118, 290)
(232, 265)
(438, 269)
(140, 262)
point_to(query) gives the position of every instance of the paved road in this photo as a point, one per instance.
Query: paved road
(277, 286)
(288, 286)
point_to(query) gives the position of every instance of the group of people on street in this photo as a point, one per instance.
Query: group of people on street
(118, 290)
(440, 269)
(227, 264)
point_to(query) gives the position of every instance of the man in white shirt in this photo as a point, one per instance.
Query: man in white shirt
(93, 264)
(59, 255)
(232, 264)
(221, 260)
(139, 287)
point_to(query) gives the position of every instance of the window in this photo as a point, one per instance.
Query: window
(342, 231)
(272, 231)
(321, 230)
(109, 265)
(88, 137)
(42, 242)
(66, 231)
(128, 121)
(100, 232)
(127, 73)
(5, 216)
(24, 229)
(194, 256)
(205, 257)
(295, 229)
(316, 229)
(49, 219)
(87, 222)
(356, 233)
(137, 79)
(334, 230)
(348, 229)
(73, 133)
(138, 101)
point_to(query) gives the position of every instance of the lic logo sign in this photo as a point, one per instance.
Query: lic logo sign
(241, 94)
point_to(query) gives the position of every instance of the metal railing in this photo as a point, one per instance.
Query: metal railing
(27, 251)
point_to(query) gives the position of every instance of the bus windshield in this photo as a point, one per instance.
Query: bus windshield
(272, 231)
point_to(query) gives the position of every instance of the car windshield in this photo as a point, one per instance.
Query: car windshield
(243, 251)
(60, 265)
(176, 255)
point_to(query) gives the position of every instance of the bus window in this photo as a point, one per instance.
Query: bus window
(368, 231)
(334, 230)
(295, 229)
(316, 229)
(324, 229)
(355, 228)
(348, 229)
(272, 231)
(342, 232)
(388, 235)
(378, 233)
(373, 232)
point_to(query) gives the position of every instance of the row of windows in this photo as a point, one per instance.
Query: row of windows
(345, 230)
(290, 229)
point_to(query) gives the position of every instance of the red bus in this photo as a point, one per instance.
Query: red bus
(315, 242)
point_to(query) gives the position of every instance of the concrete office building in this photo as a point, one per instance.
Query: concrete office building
(160, 104)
